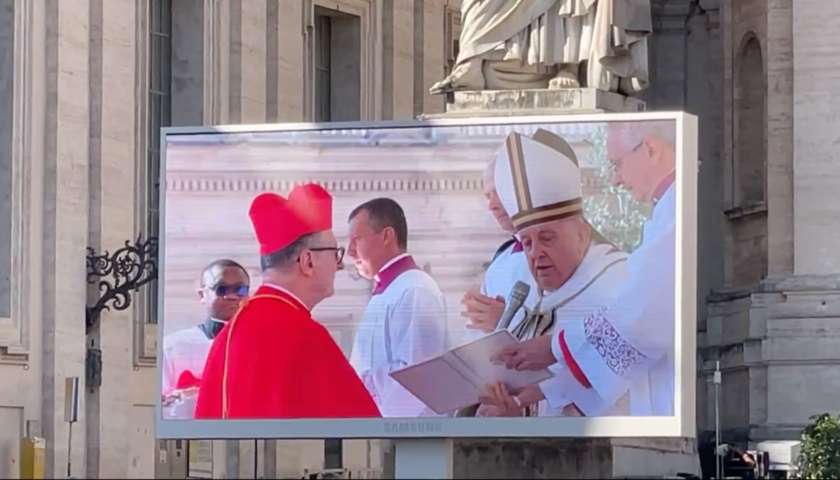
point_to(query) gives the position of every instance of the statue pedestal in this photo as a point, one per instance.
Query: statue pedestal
(561, 458)
(537, 102)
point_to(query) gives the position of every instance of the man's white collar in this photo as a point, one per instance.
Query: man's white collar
(277, 287)
(390, 262)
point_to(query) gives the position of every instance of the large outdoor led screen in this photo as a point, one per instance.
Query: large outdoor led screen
(483, 277)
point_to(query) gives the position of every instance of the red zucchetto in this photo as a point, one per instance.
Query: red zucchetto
(278, 222)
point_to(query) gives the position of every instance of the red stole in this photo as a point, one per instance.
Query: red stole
(664, 185)
(387, 276)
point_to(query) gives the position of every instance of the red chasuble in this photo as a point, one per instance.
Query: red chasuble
(273, 361)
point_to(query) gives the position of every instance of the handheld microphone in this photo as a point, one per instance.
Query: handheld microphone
(514, 302)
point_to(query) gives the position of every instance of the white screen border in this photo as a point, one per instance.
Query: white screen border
(682, 424)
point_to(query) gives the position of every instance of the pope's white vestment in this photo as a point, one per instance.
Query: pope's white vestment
(626, 348)
(600, 274)
(405, 323)
(538, 181)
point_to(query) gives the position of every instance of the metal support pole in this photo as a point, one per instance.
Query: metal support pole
(717, 378)
(429, 458)
(70, 451)
(256, 458)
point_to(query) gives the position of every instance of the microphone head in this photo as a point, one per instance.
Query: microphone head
(520, 291)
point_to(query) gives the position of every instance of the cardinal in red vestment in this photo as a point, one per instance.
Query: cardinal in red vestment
(272, 360)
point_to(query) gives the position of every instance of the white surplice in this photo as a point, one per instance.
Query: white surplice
(405, 324)
(504, 271)
(626, 348)
(183, 350)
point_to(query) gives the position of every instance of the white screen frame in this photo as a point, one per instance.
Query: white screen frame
(682, 424)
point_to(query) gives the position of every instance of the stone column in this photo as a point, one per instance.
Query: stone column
(780, 143)
(227, 62)
(398, 64)
(248, 61)
(65, 216)
(111, 152)
(816, 133)
(289, 70)
(432, 37)
(7, 59)
(201, 56)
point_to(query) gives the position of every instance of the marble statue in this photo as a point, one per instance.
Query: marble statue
(555, 44)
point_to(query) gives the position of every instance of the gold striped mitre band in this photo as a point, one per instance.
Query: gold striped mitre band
(554, 168)
(548, 213)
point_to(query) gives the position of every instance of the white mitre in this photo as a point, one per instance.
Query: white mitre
(537, 179)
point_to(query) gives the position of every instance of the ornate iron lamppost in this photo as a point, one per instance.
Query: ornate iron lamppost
(118, 275)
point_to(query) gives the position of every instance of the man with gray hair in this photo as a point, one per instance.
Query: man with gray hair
(484, 308)
(643, 158)
(622, 353)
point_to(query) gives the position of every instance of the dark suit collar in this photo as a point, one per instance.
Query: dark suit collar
(211, 328)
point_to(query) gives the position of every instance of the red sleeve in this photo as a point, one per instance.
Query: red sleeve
(574, 368)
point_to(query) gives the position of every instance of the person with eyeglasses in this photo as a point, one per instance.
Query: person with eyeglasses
(405, 321)
(223, 284)
(273, 360)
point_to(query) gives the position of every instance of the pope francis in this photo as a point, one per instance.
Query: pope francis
(621, 354)
(576, 269)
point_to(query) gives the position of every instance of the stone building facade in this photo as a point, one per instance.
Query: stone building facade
(87, 83)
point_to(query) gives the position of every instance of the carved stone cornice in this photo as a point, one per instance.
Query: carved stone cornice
(333, 185)
(252, 182)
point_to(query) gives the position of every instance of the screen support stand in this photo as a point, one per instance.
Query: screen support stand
(428, 458)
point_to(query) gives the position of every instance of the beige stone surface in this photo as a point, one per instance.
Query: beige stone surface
(78, 152)
(773, 326)
(80, 122)
(816, 129)
(544, 102)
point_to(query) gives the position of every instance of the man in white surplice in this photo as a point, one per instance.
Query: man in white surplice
(624, 350)
(223, 284)
(575, 268)
(405, 322)
(484, 308)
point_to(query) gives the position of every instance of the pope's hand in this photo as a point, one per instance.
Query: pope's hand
(534, 354)
(498, 401)
(483, 312)
(487, 411)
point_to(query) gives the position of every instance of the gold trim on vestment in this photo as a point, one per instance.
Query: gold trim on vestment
(232, 322)
(548, 213)
(518, 174)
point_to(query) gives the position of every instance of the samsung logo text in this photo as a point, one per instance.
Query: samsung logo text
(413, 427)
